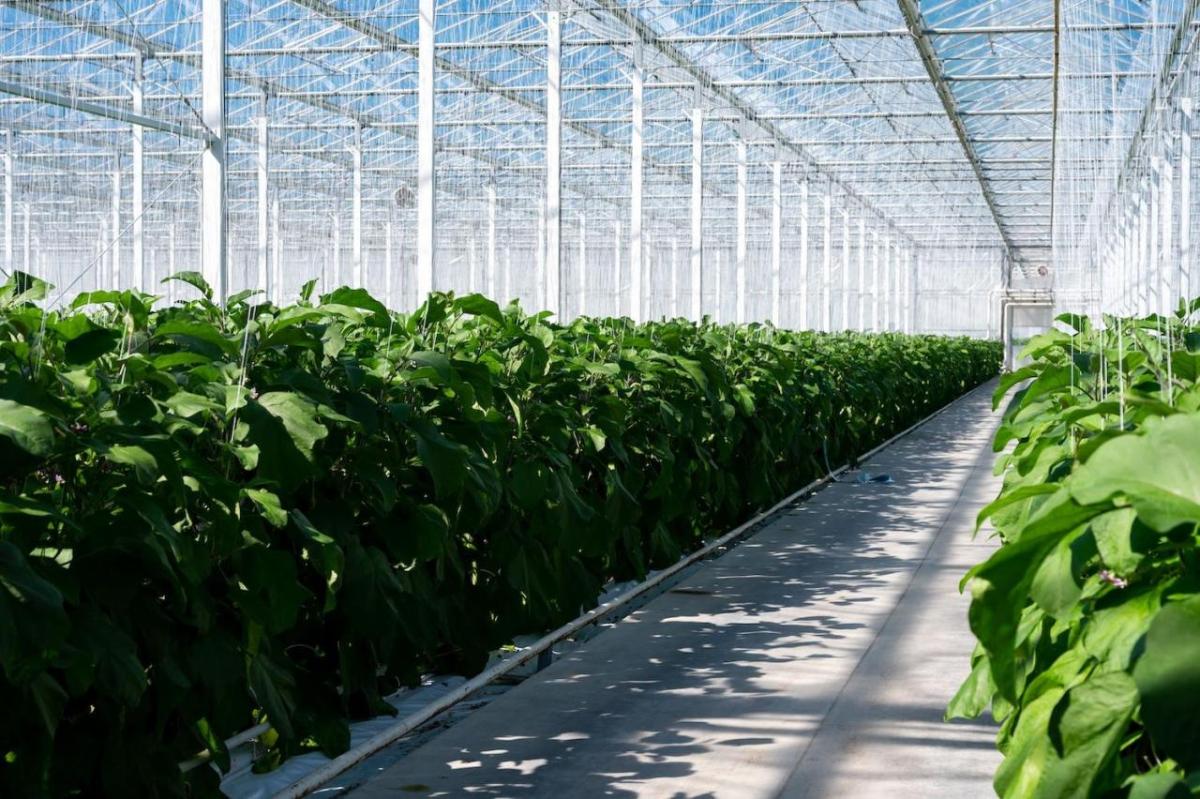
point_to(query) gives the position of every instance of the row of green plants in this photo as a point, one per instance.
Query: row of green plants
(216, 516)
(1088, 614)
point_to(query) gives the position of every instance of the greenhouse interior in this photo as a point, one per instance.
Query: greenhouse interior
(696, 399)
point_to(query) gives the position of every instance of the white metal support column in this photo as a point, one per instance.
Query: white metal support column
(214, 255)
(507, 293)
(356, 220)
(740, 267)
(1155, 264)
(1120, 252)
(472, 255)
(139, 180)
(885, 279)
(1187, 286)
(716, 284)
(914, 262)
(264, 278)
(276, 282)
(862, 274)
(539, 288)
(674, 304)
(335, 277)
(637, 156)
(389, 267)
(805, 280)
(906, 275)
(1168, 265)
(897, 287)
(101, 247)
(554, 287)
(1127, 261)
(697, 207)
(776, 238)
(844, 322)
(1188, 282)
(875, 303)
(171, 261)
(1140, 262)
(827, 264)
(8, 201)
(490, 262)
(889, 270)
(583, 270)
(114, 260)
(27, 252)
(616, 299)
(426, 144)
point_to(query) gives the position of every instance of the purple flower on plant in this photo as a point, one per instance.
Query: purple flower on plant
(1112, 579)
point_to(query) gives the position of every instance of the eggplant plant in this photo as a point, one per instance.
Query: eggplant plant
(218, 516)
(1088, 614)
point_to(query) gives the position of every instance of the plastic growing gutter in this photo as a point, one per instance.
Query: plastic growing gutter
(542, 647)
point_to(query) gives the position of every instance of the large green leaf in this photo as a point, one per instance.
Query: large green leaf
(356, 298)
(1058, 582)
(299, 416)
(112, 654)
(1086, 730)
(143, 463)
(1118, 622)
(1159, 785)
(269, 505)
(999, 588)
(194, 279)
(23, 287)
(323, 551)
(274, 686)
(1029, 752)
(1158, 471)
(91, 345)
(975, 694)
(445, 460)
(268, 589)
(27, 427)
(33, 621)
(1168, 678)
(480, 305)
(1114, 533)
(201, 336)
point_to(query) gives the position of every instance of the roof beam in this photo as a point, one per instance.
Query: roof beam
(313, 97)
(107, 112)
(933, 65)
(753, 36)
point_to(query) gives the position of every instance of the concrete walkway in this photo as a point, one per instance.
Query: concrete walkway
(814, 660)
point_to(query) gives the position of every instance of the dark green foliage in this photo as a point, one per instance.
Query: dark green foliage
(1088, 616)
(215, 517)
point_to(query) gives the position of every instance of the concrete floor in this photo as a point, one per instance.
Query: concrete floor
(814, 660)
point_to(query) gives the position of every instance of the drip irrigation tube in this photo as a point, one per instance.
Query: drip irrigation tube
(543, 645)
